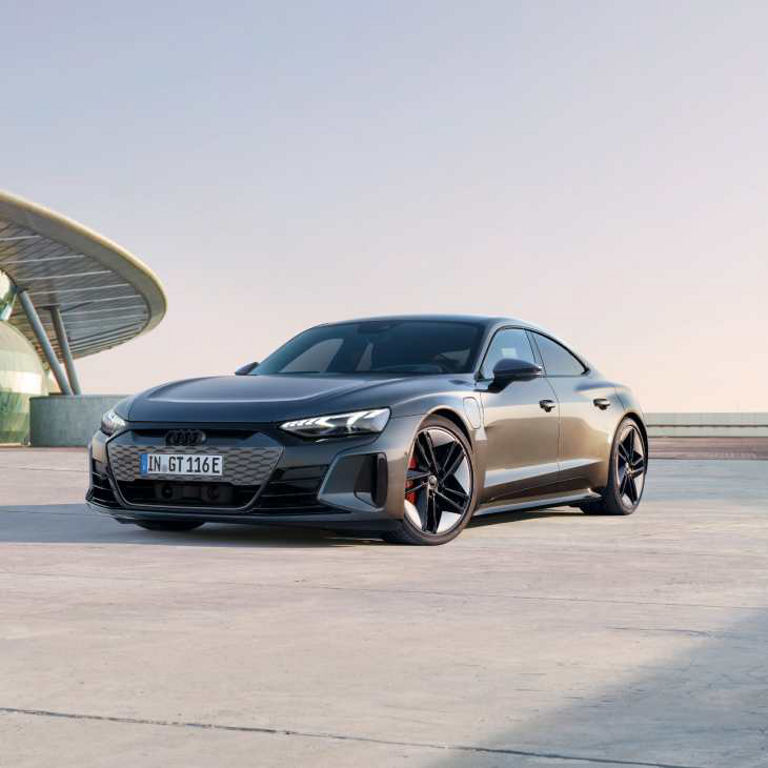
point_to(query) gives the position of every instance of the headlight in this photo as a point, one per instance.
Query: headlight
(339, 424)
(111, 422)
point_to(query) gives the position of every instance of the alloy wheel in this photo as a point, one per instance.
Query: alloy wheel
(631, 466)
(438, 488)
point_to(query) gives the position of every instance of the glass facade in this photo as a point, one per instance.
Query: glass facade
(7, 296)
(21, 376)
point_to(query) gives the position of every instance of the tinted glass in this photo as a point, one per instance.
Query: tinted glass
(396, 346)
(314, 359)
(21, 377)
(7, 296)
(507, 343)
(558, 361)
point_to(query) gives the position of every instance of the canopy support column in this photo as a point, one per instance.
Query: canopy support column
(66, 352)
(45, 344)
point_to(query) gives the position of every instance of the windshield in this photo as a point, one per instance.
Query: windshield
(379, 346)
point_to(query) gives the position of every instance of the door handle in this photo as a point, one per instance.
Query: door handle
(601, 403)
(548, 405)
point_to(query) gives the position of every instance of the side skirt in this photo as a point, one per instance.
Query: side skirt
(541, 503)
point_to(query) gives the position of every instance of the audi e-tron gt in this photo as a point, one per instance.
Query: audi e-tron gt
(401, 427)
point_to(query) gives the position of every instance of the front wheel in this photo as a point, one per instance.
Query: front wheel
(440, 494)
(626, 478)
(169, 525)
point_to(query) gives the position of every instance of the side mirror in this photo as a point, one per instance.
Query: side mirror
(244, 370)
(511, 369)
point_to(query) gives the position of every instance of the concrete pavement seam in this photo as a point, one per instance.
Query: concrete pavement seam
(335, 737)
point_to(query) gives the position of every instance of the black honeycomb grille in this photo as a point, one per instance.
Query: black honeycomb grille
(243, 466)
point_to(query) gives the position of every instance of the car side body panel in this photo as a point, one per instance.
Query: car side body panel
(590, 411)
(523, 440)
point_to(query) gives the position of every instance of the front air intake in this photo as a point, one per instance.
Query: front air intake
(293, 490)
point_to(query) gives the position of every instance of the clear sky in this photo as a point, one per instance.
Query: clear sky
(598, 168)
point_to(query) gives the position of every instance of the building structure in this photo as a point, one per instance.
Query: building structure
(65, 292)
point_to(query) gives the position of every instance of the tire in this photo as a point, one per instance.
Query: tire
(441, 499)
(623, 494)
(169, 525)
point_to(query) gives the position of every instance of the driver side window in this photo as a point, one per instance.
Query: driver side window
(507, 343)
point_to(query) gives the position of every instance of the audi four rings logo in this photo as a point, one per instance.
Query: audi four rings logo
(184, 437)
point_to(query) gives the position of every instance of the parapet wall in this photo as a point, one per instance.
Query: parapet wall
(707, 424)
(67, 420)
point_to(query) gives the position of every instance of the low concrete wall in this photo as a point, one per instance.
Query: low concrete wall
(67, 420)
(707, 424)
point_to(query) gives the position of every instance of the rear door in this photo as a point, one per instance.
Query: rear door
(590, 411)
(522, 434)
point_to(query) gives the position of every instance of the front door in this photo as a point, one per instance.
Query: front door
(521, 425)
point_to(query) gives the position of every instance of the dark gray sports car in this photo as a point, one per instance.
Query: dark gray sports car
(402, 427)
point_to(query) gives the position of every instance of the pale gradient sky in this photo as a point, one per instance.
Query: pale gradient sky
(598, 168)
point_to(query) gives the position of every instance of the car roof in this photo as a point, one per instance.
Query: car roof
(486, 320)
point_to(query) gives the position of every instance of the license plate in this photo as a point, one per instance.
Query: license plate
(181, 464)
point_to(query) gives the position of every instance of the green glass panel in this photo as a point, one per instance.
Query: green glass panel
(7, 296)
(21, 376)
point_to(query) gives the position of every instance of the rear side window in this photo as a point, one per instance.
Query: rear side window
(558, 361)
(507, 343)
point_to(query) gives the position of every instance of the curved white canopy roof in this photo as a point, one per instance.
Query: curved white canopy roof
(106, 296)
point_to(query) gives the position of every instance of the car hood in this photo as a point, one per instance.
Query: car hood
(230, 399)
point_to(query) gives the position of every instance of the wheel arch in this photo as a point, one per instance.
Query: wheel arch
(453, 416)
(638, 419)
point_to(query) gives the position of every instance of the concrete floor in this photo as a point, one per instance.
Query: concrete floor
(550, 639)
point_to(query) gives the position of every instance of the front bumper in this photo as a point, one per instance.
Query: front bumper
(269, 477)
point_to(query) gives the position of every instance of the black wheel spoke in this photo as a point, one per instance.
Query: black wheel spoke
(422, 507)
(458, 507)
(456, 458)
(623, 479)
(455, 468)
(631, 443)
(422, 460)
(457, 493)
(631, 489)
(428, 449)
(433, 516)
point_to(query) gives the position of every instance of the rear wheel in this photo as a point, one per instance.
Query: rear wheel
(439, 493)
(169, 525)
(626, 481)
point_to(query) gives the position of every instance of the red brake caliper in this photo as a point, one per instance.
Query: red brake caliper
(410, 496)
